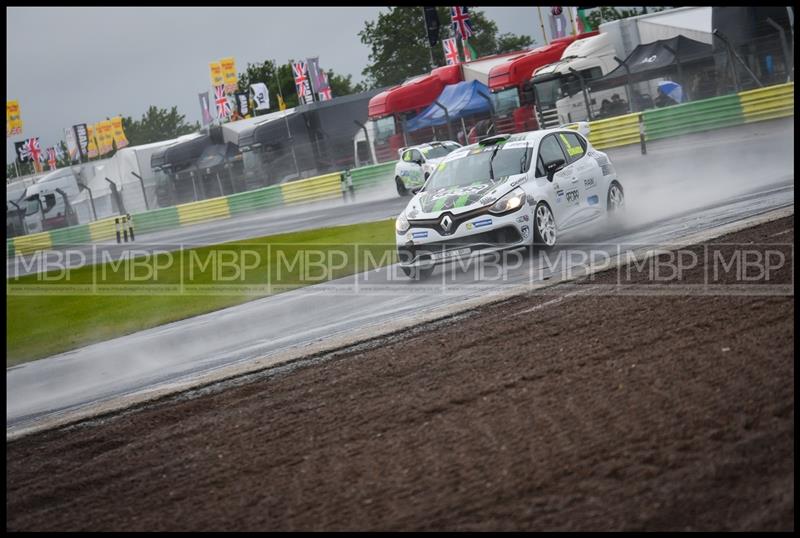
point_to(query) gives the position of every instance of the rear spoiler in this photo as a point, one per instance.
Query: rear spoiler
(580, 126)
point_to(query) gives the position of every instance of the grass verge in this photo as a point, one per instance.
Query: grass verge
(57, 311)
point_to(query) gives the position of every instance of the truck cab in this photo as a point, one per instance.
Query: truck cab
(45, 208)
(557, 88)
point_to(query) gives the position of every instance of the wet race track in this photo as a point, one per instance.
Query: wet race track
(682, 187)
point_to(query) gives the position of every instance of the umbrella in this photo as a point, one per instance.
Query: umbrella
(671, 89)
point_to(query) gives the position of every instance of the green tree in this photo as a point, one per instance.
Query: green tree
(156, 124)
(399, 44)
(606, 14)
(509, 42)
(265, 72)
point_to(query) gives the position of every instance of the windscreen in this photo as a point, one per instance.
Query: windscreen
(434, 152)
(481, 165)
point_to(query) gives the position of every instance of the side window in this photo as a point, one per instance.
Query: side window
(572, 146)
(416, 155)
(549, 150)
(407, 156)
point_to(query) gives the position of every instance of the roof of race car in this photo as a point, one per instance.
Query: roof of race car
(529, 138)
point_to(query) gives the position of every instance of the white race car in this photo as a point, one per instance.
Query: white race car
(505, 192)
(418, 162)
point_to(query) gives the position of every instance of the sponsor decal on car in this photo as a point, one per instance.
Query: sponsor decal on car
(523, 218)
(479, 224)
(559, 196)
(572, 196)
(593, 200)
(589, 183)
(525, 231)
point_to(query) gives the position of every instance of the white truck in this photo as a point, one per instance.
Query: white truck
(559, 95)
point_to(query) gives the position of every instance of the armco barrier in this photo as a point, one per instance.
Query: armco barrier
(31, 243)
(693, 117)
(613, 132)
(202, 211)
(74, 235)
(315, 188)
(245, 202)
(768, 103)
(101, 230)
(369, 176)
(156, 220)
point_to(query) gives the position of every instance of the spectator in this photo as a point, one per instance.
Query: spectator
(618, 106)
(664, 100)
(605, 108)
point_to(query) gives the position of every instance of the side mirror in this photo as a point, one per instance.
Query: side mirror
(415, 190)
(552, 167)
(419, 162)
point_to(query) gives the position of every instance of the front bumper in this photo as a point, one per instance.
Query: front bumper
(478, 236)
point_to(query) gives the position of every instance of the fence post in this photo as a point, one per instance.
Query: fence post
(116, 226)
(446, 118)
(642, 134)
(144, 193)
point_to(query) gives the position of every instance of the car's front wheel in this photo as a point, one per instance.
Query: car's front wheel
(544, 227)
(401, 187)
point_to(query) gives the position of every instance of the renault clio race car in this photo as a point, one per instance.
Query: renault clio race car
(418, 162)
(507, 191)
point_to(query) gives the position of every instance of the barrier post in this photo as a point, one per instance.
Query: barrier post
(116, 225)
(125, 228)
(130, 227)
(642, 134)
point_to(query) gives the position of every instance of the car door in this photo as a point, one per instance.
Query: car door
(407, 168)
(562, 190)
(588, 175)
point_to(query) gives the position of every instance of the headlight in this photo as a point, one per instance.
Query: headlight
(511, 201)
(401, 224)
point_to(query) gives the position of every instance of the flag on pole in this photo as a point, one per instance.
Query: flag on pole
(21, 148)
(223, 107)
(432, 25)
(72, 143)
(260, 95)
(281, 103)
(205, 111)
(228, 66)
(325, 93)
(118, 132)
(583, 20)
(460, 21)
(558, 22)
(13, 119)
(470, 54)
(313, 73)
(92, 147)
(242, 104)
(51, 158)
(217, 77)
(301, 82)
(450, 51)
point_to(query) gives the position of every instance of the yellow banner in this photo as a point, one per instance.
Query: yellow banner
(119, 134)
(229, 73)
(13, 118)
(106, 136)
(217, 78)
(92, 142)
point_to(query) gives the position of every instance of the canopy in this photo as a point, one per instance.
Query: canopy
(181, 152)
(460, 100)
(655, 59)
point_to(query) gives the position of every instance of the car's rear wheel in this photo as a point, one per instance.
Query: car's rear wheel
(544, 227)
(416, 272)
(401, 188)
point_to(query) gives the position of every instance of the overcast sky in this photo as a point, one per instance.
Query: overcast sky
(81, 65)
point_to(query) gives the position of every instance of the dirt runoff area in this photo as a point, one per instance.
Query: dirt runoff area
(564, 411)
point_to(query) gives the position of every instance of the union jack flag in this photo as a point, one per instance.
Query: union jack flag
(325, 88)
(223, 106)
(51, 158)
(460, 21)
(34, 150)
(301, 82)
(450, 51)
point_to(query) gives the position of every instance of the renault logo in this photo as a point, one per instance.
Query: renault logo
(446, 223)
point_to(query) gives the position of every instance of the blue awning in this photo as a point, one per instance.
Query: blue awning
(461, 100)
